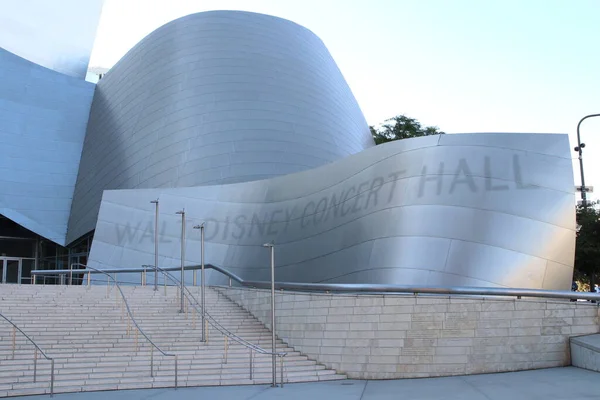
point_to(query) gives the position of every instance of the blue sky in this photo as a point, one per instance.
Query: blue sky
(462, 65)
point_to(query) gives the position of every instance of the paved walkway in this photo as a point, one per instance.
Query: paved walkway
(548, 384)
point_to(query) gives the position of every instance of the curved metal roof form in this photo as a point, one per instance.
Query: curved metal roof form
(215, 97)
(43, 117)
(58, 35)
(245, 122)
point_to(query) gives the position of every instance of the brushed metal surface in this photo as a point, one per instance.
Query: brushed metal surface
(245, 121)
(473, 210)
(212, 98)
(43, 117)
(58, 35)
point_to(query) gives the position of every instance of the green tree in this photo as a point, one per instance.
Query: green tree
(587, 248)
(401, 127)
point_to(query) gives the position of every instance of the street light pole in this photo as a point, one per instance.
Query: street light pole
(182, 212)
(273, 349)
(579, 149)
(155, 202)
(202, 291)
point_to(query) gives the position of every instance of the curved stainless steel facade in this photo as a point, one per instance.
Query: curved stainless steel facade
(468, 210)
(58, 35)
(212, 98)
(43, 117)
(245, 121)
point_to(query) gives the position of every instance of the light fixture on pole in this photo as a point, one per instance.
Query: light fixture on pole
(202, 291)
(273, 350)
(579, 149)
(182, 212)
(155, 202)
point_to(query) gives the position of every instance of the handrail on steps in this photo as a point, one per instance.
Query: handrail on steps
(37, 348)
(189, 295)
(134, 321)
(224, 331)
(363, 288)
(330, 288)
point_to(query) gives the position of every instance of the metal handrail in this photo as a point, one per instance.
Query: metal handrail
(218, 325)
(134, 321)
(370, 288)
(224, 331)
(37, 348)
(211, 320)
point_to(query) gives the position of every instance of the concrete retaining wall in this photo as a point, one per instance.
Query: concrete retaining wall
(385, 337)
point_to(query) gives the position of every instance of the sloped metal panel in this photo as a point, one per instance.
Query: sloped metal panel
(213, 98)
(58, 35)
(468, 210)
(43, 117)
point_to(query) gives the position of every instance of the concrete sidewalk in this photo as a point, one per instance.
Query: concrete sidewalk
(547, 384)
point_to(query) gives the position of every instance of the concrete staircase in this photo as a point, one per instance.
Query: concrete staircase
(86, 331)
(585, 352)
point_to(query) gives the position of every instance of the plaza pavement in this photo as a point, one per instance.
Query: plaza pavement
(546, 384)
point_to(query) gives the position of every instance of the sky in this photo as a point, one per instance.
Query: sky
(461, 65)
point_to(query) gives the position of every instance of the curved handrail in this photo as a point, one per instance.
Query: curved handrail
(27, 337)
(217, 325)
(35, 359)
(131, 315)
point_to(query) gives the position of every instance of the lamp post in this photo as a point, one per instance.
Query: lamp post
(182, 212)
(579, 149)
(202, 292)
(273, 357)
(155, 202)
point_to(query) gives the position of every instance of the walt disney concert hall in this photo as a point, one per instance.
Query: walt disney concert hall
(244, 123)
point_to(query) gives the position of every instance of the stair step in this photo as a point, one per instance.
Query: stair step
(85, 330)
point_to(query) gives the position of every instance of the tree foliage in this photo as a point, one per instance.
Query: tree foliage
(587, 249)
(401, 127)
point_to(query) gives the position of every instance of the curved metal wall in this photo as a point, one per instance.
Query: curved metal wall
(468, 210)
(43, 117)
(212, 98)
(55, 34)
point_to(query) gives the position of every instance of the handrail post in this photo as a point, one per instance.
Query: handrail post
(182, 283)
(155, 202)
(89, 278)
(175, 371)
(281, 368)
(203, 283)
(52, 378)
(202, 277)
(271, 246)
(249, 348)
(35, 365)
(226, 348)
(152, 361)
(14, 338)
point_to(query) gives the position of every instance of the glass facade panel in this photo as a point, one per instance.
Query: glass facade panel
(27, 265)
(12, 271)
